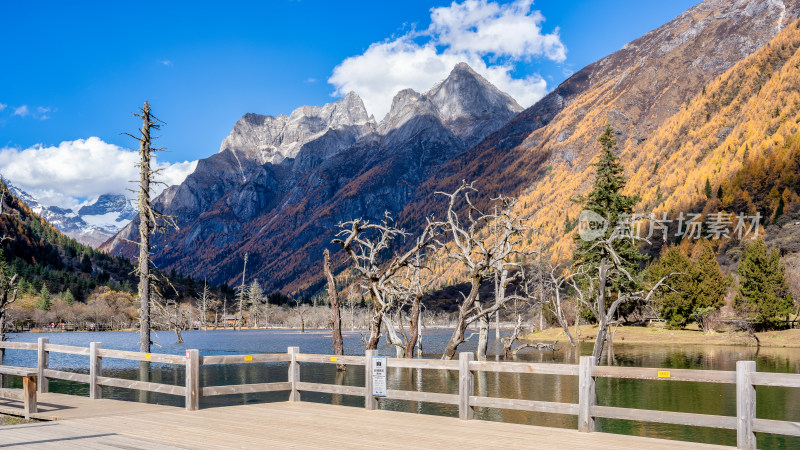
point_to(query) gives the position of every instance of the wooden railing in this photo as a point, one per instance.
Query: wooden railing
(746, 378)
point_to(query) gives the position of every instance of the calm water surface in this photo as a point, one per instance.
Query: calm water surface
(705, 398)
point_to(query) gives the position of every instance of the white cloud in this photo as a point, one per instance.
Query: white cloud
(74, 171)
(475, 31)
(2, 106)
(482, 27)
(166, 62)
(42, 113)
(21, 111)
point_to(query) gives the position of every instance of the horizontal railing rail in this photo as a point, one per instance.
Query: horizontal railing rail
(745, 379)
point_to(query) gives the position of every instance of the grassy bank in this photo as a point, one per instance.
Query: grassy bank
(660, 335)
(6, 419)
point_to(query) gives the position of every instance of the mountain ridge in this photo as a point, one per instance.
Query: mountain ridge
(238, 201)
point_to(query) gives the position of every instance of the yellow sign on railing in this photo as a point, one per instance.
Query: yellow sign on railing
(333, 359)
(147, 356)
(248, 357)
(663, 374)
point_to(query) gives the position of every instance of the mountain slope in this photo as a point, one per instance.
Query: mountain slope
(280, 185)
(544, 154)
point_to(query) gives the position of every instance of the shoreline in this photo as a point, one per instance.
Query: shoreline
(662, 336)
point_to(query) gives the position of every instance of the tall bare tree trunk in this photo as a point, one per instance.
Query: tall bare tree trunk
(483, 336)
(242, 295)
(413, 324)
(602, 319)
(145, 227)
(336, 317)
(457, 338)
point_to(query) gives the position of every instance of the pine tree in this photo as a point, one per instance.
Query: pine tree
(607, 200)
(86, 264)
(763, 293)
(68, 297)
(711, 284)
(675, 304)
(707, 189)
(700, 290)
(45, 301)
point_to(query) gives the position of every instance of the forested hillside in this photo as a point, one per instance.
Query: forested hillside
(43, 256)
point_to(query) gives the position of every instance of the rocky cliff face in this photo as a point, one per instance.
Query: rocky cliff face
(280, 185)
(268, 139)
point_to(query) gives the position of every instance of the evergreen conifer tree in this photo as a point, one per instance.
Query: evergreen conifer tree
(86, 264)
(607, 200)
(763, 293)
(675, 304)
(68, 297)
(707, 189)
(45, 300)
(711, 284)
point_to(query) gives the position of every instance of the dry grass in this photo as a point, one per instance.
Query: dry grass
(6, 419)
(660, 335)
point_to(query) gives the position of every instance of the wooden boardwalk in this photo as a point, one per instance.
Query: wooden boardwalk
(88, 424)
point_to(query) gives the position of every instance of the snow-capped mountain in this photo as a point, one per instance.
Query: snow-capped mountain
(92, 224)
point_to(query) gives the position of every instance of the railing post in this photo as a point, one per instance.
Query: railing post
(369, 400)
(586, 394)
(466, 386)
(43, 358)
(294, 374)
(745, 405)
(95, 370)
(192, 380)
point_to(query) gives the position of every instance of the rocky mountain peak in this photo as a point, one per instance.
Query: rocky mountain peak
(466, 103)
(464, 94)
(275, 138)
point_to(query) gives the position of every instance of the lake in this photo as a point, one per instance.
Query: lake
(706, 398)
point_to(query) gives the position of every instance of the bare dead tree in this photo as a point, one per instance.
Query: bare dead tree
(204, 302)
(336, 317)
(410, 288)
(557, 284)
(595, 277)
(369, 247)
(241, 296)
(150, 220)
(301, 309)
(480, 255)
(172, 314)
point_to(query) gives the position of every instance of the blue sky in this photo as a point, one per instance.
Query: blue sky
(74, 70)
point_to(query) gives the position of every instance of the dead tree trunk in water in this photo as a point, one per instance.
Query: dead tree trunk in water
(150, 220)
(336, 317)
(145, 227)
(413, 325)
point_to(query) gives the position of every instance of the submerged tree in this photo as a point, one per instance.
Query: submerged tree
(481, 243)
(336, 316)
(241, 296)
(150, 220)
(371, 249)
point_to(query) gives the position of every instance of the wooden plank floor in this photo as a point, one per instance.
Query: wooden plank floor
(294, 425)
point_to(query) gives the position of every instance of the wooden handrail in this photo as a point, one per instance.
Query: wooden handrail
(745, 378)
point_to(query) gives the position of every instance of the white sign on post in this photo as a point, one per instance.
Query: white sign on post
(379, 376)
